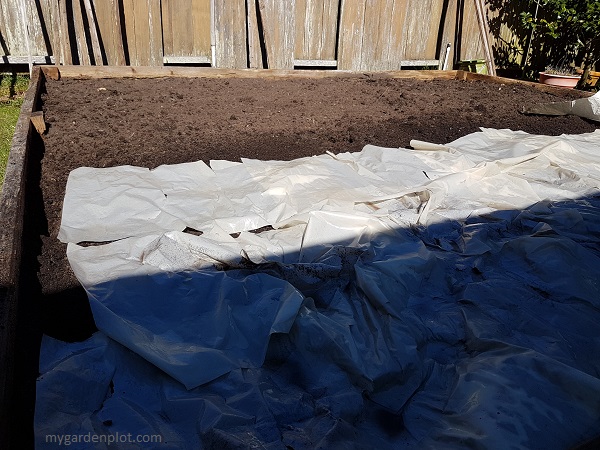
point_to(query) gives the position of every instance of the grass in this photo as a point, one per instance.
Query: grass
(12, 88)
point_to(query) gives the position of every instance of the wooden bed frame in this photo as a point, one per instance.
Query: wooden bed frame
(12, 199)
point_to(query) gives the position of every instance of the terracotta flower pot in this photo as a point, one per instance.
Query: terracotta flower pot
(566, 81)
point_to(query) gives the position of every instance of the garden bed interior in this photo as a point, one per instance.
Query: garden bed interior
(125, 120)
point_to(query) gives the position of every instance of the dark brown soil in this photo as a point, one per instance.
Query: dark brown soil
(103, 123)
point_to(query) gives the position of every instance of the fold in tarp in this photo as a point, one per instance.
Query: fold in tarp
(439, 296)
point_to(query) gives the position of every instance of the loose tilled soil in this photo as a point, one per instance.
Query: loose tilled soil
(102, 123)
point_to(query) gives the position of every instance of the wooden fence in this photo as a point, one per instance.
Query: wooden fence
(281, 34)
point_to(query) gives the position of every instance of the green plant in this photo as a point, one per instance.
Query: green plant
(569, 31)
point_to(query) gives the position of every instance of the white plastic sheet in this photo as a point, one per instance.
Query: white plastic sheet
(445, 295)
(588, 108)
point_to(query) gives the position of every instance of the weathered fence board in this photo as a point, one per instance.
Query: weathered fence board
(347, 34)
(388, 34)
(186, 31)
(81, 48)
(64, 32)
(352, 22)
(201, 28)
(110, 31)
(93, 32)
(144, 32)
(230, 34)
(278, 18)
(255, 53)
(316, 30)
(378, 35)
(471, 44)
(420, 32)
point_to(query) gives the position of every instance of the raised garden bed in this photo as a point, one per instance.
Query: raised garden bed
(149, 117)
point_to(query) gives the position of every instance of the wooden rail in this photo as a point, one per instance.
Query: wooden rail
(12, 206)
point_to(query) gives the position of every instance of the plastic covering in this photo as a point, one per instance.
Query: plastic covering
(583, 107)
(438, 297)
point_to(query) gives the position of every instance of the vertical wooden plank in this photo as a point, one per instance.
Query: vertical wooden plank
(351, 34)
(449, 32)
(316, 29)
(435, 17)
(3, 26)
(37, 44)
(471, 44)
(118, 36)
(304, 27)
(422, 27)
(110, 34)
(186, 28)
(25, 27)
(255, 56)
(167, 23)
(130, 31)
(230, 34)
(12, 34)
(376, 48)
(57, 50)
(64, 32)
(329, 30)
(80, 38)
(369, 40)
(142, 38)
(183, 44)
(278, 18)
(46, 18)
(95, 44)
(201, 28)
(155, 48)
(144, 32)
(397, 39)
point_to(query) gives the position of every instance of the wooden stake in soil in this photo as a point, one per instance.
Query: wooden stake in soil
(37, 119)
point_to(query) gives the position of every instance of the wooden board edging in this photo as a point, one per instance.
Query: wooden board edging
(12, 205)
(94, 72)
(472, 76)
(99, 72)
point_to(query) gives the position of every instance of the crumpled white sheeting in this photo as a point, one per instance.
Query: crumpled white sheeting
(583, 107)
(489, 169)
(456, 307)
(196, 326)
